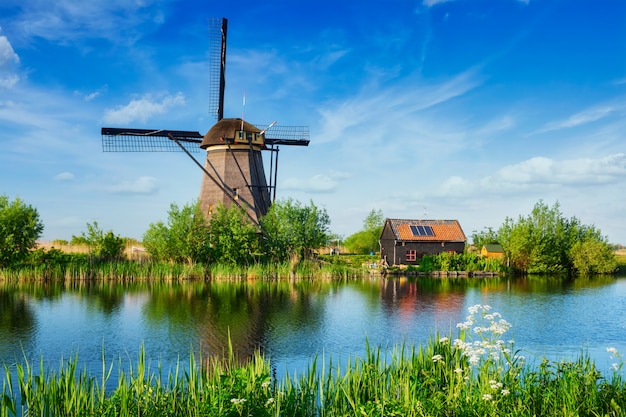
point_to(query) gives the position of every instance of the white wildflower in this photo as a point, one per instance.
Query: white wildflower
(495, 384)
(237, 401)
(505, 392)
(265, 384)
(614, 352)
(443, 340)
(437, 358)
(487, 397)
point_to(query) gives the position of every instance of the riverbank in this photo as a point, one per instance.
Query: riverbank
(475, 374)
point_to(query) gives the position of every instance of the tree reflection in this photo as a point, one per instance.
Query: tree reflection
(17, 320)
(243, 312)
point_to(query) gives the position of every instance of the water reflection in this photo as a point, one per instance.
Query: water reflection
(17, 321)
(293, 321)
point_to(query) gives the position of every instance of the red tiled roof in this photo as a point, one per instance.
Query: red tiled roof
(443, 230)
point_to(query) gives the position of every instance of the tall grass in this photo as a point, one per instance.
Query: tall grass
(476, 374)
(130, 271)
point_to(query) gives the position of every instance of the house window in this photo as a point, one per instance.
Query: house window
(411, 255)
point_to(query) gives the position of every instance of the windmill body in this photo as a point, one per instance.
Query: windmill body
(234, 158)
(234, 173)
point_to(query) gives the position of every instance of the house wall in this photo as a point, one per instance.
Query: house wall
(496, 255)
(387, 243)
(398, 256)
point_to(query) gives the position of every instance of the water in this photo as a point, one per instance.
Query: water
(293, 322)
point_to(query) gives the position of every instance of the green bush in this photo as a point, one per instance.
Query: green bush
(467, 261)
(103, 246)
(20, 227)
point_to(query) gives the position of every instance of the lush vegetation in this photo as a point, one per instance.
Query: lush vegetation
(183, 239)
(546, 242)
(20, 227)
(291, 229)
(102, 245)
(291, 233)
(467, 262)
(477, 373)
(366, 240)
(288, 230)
(55, 265)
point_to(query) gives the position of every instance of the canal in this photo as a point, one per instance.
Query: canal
(292, 322)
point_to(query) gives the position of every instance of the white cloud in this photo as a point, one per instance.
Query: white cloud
(142, 185)
(316, 184)
(581, 118)
(7, 54)
(430, 3)
(66, 21)
(391, 109)
(142, 109)
(542, 173)
(93, 95)
(497, 125)
(8, 60)
(64, 176)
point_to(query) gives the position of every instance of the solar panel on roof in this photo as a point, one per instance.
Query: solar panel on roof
(422, 231)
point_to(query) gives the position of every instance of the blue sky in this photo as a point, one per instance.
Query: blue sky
(461, 109)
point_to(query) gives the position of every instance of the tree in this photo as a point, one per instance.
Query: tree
(366, 240)
(103, 245)
(361, 242)
(591, 256)
(289, 228)
(485, 237)
(20, 227)
(185, 238)
(542, 242)
(374, 221)
(233, 238)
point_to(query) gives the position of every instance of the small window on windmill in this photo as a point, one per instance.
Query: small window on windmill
(249, 137)
(235, 193)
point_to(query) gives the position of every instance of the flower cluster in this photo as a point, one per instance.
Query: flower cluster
(237, 401)
(437, 358)
(489, 327)
(480, 341)
(615, 355)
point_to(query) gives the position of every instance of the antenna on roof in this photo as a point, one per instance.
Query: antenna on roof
(243, 108)
(425, 212)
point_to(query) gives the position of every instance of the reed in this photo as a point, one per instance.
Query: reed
(123, 271)
(476, 374)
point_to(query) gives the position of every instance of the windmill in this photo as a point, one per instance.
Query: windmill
(233, 171)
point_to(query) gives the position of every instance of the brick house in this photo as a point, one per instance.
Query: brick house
(404, 242)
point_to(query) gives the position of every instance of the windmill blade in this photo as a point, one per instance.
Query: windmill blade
(286, 135)
(149, 140)
(217, 66)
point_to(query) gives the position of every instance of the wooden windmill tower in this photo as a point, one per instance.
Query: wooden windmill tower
(233, 171)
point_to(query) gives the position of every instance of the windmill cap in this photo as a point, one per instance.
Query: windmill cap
(225, 129)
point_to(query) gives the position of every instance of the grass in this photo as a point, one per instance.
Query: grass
(59, 261)
(476, 374)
